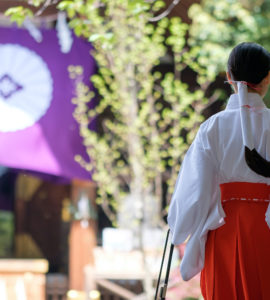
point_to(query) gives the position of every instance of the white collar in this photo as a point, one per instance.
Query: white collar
(253, 100)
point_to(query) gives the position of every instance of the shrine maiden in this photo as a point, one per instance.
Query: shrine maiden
(221, 198)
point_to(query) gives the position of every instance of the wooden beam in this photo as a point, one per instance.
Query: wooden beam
(115, 289)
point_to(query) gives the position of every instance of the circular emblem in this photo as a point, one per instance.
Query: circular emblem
(26, 87)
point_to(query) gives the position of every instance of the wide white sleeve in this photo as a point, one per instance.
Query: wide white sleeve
(195, 206)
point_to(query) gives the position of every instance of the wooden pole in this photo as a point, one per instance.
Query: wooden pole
(82, 239)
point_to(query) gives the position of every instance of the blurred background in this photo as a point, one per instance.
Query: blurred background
(99, 102)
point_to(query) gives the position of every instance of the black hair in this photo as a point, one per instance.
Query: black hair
(249, 62)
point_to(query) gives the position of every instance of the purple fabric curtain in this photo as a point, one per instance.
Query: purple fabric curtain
(37, 129)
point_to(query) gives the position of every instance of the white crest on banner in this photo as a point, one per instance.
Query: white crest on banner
(26, 87)
(64, 33)
(33, 30)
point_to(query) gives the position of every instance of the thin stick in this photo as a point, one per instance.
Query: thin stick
(162, 261)
(166, 12)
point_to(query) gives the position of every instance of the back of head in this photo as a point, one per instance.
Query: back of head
(249, 62)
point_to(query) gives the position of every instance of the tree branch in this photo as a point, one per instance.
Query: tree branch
(44, 6)
(166, 12)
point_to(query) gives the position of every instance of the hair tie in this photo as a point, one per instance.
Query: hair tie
(251, 85)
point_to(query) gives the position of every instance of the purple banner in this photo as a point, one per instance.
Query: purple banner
(37, 129)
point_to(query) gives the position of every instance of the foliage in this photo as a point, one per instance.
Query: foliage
(217, 26)
(142, 137)
(148, 117)
(18, 14)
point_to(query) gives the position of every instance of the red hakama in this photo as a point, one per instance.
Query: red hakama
(237, 255)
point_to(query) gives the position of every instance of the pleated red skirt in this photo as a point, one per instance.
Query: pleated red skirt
(237, 254)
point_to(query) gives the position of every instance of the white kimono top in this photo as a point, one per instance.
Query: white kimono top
(216, 156)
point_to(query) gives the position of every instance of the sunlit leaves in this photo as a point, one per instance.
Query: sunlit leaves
(177, 38)
(148, 110)
(18, 14)
(158, 5)
(146, 117)
(218, 26)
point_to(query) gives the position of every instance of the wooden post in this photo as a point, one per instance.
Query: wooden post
(82, 238)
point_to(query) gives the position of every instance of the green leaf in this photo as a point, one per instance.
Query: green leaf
(18, 14)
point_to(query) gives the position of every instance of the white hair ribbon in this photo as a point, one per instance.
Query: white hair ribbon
(245, 115)
(246, 127)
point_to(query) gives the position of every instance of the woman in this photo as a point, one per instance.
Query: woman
(222, 194)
